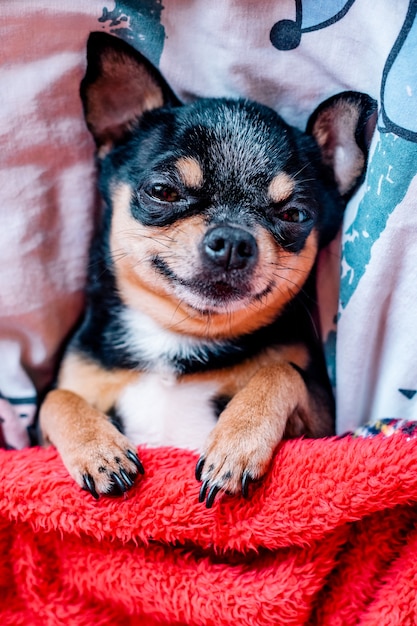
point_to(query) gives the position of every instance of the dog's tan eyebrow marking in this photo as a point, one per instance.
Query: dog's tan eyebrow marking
(281, 187)
(190, 171)
(121, 195)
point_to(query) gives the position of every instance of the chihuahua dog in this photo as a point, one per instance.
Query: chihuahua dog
(199, 326)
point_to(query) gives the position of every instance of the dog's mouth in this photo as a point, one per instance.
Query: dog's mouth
(210, 291)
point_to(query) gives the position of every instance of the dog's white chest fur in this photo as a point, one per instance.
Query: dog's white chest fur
(159, 410)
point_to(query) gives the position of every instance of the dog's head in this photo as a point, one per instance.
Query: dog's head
(218, 207)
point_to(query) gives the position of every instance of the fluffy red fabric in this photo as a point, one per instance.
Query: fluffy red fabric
(328, 539)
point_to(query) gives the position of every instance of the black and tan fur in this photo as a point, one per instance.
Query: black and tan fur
(201, 271)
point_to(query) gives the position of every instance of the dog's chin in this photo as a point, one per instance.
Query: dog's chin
(210, 293)
(219, 297)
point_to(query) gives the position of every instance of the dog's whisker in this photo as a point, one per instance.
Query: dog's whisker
(288, 268)
(287, 280)
(157, 240)
(179, 304)
(282, 259)
(119, 256)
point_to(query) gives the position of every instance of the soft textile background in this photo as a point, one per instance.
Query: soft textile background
(262, 50)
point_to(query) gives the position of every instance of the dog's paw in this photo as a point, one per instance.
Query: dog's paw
(231, 464)
(107, 464)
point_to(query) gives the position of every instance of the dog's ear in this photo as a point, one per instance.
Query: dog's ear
(120, 84)
(342, 127)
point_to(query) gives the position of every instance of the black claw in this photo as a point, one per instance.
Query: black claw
(90, 486)
(211, 496)
(203, 491)
(246, 481)
(119, 482)
(199, 467)
(134, 458)
(125, 476)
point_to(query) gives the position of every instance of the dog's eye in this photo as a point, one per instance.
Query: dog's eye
(294, 215)
(164, 193)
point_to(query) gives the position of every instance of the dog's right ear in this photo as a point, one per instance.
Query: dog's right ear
(342, 127)
(120, 84)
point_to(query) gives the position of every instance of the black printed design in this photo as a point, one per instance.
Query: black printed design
(399, 82)
(408, 393)
(309, 16)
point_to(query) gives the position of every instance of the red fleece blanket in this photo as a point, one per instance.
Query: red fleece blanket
(328, 538)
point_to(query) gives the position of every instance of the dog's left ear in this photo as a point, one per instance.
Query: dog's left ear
(342, 127)
(120, 84)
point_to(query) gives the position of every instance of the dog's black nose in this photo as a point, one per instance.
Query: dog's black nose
(230, 247)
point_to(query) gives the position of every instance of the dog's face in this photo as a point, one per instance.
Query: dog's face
(215, 214)
(217, 207)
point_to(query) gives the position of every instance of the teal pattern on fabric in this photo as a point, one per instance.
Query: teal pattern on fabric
(329, 347)
(139, 23)
(390, 172)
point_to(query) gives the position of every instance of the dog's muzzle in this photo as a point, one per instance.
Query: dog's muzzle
(229, 248)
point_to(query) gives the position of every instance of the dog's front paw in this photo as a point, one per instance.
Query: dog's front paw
(230, 464)
(107, 464)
